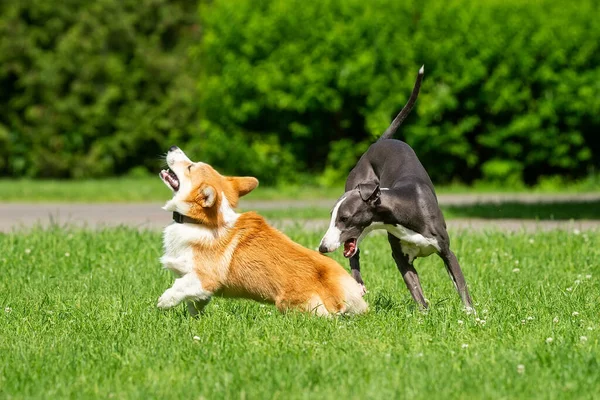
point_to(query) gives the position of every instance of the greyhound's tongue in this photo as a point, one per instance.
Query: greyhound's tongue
(349, 248)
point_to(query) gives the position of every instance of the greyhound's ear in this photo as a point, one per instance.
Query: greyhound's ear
(369, 192)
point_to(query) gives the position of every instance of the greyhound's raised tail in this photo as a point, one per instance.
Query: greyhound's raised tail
(391, 130)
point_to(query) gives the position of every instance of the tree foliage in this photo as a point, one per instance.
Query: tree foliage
(284, 90)
(92, 88)
(511, 88)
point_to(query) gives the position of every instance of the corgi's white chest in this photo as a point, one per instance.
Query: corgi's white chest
(177, 244)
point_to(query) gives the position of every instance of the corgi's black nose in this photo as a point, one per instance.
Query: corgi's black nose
(173, 148)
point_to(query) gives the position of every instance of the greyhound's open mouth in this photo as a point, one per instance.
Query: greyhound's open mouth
(170, 179)
(349, 248)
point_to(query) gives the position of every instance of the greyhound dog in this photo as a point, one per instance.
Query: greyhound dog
(389, 189)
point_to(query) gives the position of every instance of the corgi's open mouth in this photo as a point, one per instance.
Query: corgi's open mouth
(170, 179)
(349, 248)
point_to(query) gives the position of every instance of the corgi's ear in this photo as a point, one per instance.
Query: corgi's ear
(243, 184)
(207, 195)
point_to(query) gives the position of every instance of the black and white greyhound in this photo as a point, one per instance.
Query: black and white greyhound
(389, 189)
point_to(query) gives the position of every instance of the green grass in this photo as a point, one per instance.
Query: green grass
(141, 189)
(130, 190)
(555, 211)
(78, 320)
(539, 211)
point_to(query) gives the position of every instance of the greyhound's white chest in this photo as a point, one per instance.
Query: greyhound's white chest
(413, 244)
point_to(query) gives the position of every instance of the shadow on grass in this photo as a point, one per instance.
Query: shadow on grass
(553, 211)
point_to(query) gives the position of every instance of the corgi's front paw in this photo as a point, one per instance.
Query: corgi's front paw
(166, 301)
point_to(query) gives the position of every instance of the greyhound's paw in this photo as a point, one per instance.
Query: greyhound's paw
(363, 289)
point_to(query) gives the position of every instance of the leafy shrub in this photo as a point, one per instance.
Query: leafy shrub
(510, 93)
(287, 90)
(93, 88)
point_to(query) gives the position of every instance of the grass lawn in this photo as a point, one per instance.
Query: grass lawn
(152, 189)
(544, 211)
(129, 190)
(78, 320)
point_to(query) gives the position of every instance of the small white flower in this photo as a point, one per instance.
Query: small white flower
(460, 322)
(477, 319)
(569, 289)
(576, 231)
(588, 276)
(269, 313)
(531, 241)
(27, 251)
(367, 252)
(482, 322)
(530, 318)
(583, 338)
(7, 309)
(590, 328)
(549, 340)
(577, 281)
(523, 321)
(478, 250)
(485, 311)
(555, 320)
(262, 305)
(575, 313)
(515, 270)
(196, 338)
(419, 355)
(67, 254)
(520, 369)
(516, 262)
(464, 345)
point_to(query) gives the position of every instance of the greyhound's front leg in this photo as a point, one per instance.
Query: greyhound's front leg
(355, 268)
(188, 287)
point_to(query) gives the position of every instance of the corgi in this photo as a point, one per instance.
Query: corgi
(213, 250)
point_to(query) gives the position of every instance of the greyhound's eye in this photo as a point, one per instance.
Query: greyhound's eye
(343, 218)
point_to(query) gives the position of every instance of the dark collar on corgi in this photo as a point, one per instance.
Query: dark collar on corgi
(184, 219)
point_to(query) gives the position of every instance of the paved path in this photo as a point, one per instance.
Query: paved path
(15, 216)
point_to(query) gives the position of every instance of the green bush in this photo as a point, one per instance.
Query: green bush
(92, 88)
(285, 90)
(510, 91)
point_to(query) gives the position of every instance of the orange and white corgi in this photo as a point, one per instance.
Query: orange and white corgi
(215, 251)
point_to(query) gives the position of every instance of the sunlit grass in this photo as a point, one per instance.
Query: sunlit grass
(545, 211)
(144, 189)
(78, 320)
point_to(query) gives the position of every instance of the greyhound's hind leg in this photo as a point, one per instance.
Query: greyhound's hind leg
(411, 278)
(457, 277)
